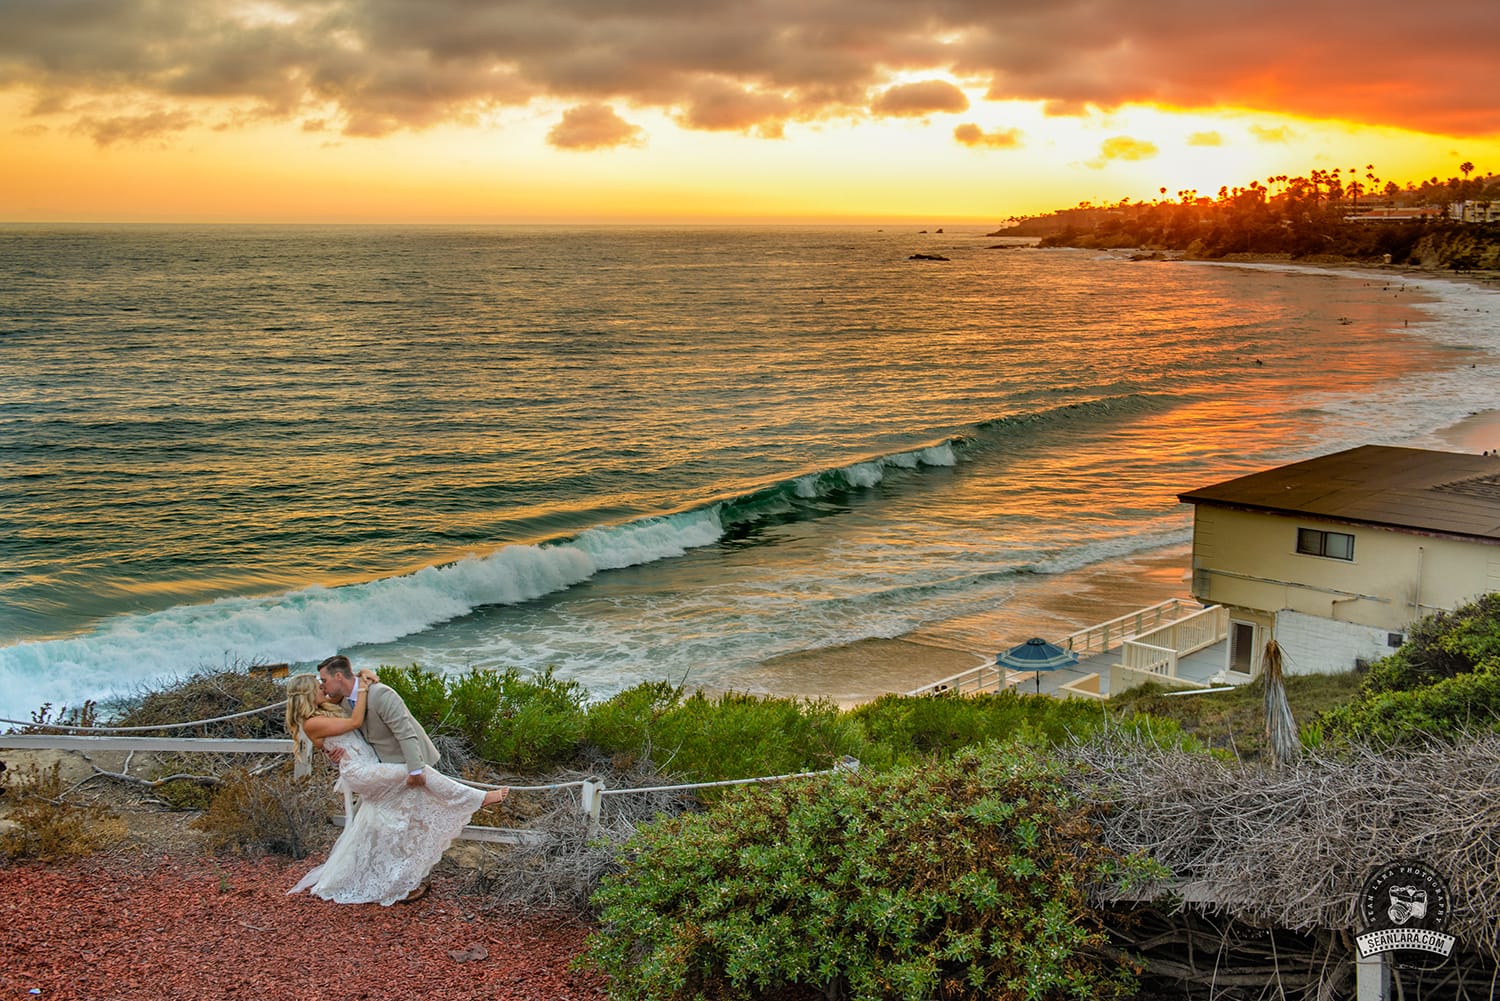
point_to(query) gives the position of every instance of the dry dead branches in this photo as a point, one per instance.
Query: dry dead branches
(1292, 848)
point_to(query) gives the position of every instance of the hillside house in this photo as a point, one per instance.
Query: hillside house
(1480, 210)
(1335, 557)
(1397, 213)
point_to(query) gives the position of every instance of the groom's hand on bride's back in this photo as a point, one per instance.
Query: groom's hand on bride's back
(416, 778)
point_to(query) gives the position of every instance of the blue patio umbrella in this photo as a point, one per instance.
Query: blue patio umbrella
(1036, 654)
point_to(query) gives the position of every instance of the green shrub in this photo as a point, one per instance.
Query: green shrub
(968, 878)
(424, 692)
(905, 729)
(49, 826)
(734, 735)
(1444, 710)
(522, 722)
(1440, 646)
(537, 724)
(627, 724)
(1442, 683)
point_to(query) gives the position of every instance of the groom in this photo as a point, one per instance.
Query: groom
(389, 726)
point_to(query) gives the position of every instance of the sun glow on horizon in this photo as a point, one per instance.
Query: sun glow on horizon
(521, 110)
(872, 169)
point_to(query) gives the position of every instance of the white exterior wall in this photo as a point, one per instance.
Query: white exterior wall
(1314, 645)
(1248, 560)
(1476, 210)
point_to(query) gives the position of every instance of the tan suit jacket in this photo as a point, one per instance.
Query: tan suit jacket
(393, 732)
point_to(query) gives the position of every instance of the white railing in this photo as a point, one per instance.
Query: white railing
(1108, 635)
(1149, 659)
(1117, 632)
(1155, 656)
(1160, 650)
(74, 742)
(984, 678)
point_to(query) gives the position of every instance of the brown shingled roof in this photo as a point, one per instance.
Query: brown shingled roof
(1454, 493)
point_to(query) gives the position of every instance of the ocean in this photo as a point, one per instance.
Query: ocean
(635, 454)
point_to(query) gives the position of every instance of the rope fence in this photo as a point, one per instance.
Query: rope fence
(592, 791)
(142, 729)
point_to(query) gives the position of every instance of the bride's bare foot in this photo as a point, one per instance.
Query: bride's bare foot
(495, 796)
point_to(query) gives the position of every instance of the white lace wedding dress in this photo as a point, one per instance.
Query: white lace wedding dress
(398, 833)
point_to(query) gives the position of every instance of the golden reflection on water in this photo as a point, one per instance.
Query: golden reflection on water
(374, 404)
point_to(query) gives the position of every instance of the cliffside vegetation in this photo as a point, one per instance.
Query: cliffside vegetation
(1326, 215)
(1442, 684)
(981, 848)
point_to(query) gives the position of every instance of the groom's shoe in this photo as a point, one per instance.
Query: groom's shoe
(414, 895)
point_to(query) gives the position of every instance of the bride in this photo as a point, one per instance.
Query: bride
(399, 831)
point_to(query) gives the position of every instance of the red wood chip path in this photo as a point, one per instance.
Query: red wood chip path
(199, 928)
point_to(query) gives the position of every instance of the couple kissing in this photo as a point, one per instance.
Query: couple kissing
(408, 811)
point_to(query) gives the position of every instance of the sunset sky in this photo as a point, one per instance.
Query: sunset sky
(499, 111)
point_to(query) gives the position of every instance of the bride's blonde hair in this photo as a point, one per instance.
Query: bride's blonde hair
(303, 701)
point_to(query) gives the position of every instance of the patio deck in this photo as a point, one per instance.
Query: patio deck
(1201, 666)
(1180, 641)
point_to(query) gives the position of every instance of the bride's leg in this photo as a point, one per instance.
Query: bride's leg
(494, 796)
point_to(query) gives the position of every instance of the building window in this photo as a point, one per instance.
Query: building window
(1335, 545)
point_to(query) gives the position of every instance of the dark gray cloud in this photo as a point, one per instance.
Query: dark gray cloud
(370, 67)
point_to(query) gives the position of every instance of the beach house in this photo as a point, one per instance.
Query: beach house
(1336, 556)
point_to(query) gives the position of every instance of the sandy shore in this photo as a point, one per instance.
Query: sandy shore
(1476, 433)
(1050, 606)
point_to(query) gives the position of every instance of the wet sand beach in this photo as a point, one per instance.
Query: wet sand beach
(1050, 606)
(1477, 433)
(1042, 605)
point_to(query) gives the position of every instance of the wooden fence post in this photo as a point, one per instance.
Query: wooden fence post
(592, 802)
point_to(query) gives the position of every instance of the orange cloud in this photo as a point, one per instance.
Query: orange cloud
(594, 126)
(972, 135)
(108, 129)
(916, 99)
(375, 66)
(718, 107)
(1205, 139)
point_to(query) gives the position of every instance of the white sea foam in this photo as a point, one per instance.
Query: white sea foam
(864, 474)
(938, 455)
(650, 539)
(305, 626)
